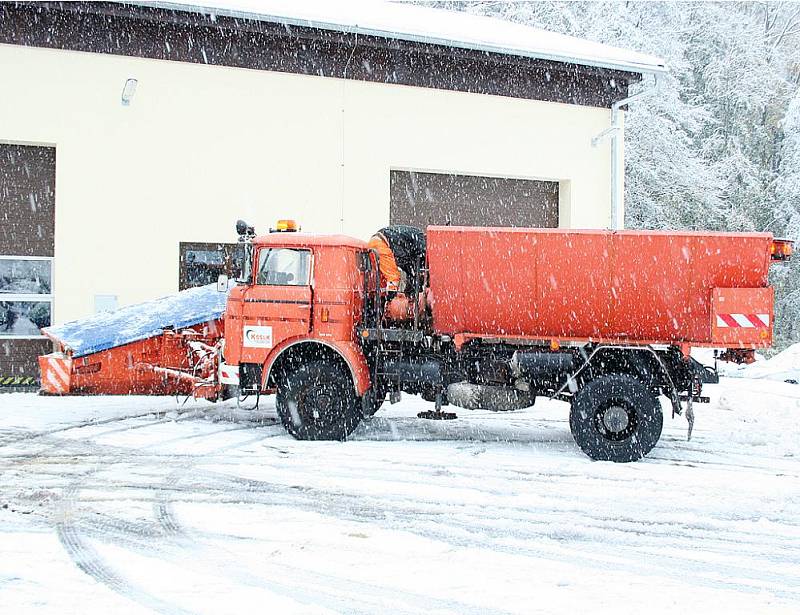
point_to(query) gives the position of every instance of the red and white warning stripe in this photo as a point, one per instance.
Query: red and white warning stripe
(743, 321)
(56, 375)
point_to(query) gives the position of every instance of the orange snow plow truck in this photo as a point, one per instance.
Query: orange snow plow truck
(492, 318)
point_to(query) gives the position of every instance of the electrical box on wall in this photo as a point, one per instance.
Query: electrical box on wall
(105, 303)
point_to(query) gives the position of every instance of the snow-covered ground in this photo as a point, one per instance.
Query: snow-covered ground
(108, 506)
(782, 367)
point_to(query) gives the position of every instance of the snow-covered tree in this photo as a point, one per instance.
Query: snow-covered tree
(787, 280)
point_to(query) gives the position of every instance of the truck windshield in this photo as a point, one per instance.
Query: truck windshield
(283, 267)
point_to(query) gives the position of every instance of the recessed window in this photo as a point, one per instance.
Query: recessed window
(26, 299)
(203, 263)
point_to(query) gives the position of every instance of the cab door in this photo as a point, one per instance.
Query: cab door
(278, 305)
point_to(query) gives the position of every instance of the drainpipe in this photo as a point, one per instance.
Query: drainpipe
(618, 157)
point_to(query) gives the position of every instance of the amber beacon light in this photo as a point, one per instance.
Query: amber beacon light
(286, 226)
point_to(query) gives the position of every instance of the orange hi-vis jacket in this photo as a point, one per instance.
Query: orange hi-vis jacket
(390, 272)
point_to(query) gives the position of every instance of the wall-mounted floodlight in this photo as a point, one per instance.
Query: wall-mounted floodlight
(128, 91)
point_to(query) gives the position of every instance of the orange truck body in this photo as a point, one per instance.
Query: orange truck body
(629, 287)
(633, 287)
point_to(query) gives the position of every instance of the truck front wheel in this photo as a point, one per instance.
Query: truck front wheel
(317, 401)
(616, 418)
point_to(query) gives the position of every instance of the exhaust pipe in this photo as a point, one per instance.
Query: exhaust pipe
(427, 372)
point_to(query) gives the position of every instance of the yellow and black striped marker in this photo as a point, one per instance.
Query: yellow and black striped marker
(17, 381)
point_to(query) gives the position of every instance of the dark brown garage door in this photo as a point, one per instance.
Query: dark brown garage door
(27, 206)
(420, 199)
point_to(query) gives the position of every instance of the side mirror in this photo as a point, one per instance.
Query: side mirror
(222, 283)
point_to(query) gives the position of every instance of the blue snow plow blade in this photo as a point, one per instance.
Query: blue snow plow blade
(137, 322)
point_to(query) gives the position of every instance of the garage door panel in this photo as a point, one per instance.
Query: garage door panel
(421, 199)
(27, 200)
(27, 241)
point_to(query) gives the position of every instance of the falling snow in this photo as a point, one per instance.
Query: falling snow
(175, 505)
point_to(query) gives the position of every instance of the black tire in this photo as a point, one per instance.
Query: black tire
(616, 418)
(317, 401)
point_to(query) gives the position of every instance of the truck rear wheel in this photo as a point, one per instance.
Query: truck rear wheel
(317, 401)
(616, 418)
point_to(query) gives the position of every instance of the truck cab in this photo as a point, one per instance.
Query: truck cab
(284, 316)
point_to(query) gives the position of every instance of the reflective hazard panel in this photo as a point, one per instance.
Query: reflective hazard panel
(742, 317)
(56, 373)
(229, 374)
(745, 321)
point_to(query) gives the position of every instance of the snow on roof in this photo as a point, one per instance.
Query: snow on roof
(426, 25)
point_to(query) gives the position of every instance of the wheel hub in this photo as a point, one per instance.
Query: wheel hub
(317, 403)
(321, 403)
(615, 419)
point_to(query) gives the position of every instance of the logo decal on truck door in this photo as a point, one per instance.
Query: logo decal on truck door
(258, 337)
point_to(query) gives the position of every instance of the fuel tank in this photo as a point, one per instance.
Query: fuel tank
(631, 286)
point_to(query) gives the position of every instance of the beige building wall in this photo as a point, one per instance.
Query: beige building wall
(201, 146)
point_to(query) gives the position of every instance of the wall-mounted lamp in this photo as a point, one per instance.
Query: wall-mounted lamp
(128, 90)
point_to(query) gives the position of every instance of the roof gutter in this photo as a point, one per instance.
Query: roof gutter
(618, 155)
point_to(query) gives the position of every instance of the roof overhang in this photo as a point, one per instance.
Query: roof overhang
(425, 25)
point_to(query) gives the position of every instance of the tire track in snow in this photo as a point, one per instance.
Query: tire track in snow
(93, 448)
(542, 533)
(86, 558)
(161, 504)
(89, 561)
(471, 528)
(91, 423)
(620, 526)
(51, 443)
(315, 584)
(138, 536)
(534, 536)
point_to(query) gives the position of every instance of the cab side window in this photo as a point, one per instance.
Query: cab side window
(284, 267)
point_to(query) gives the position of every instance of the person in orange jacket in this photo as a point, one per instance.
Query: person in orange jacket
(401, 250)
(391, 276)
